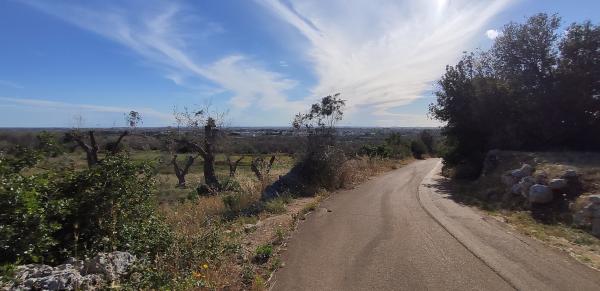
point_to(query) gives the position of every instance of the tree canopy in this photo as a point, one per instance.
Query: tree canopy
(536, 88)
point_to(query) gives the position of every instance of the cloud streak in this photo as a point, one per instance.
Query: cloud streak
(383, 54)
(159, 32)
(11, 84)
(145, 112)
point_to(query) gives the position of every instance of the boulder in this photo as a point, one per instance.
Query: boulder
(557, 184)
(595, 199)
(112, 265)
(524, 171)
(509, 180)
(25, 272)
(541, 178)
(92, 282)
(516, 189)
(68, 279)
(525, 184)
(540, 194)
(588, 210)
(580, 219)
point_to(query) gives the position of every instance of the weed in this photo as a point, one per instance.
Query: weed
(279, 236)
(258, 283)
(275, 264)
(309, 207)
(247, 274)
(263, 253)
(275, 206)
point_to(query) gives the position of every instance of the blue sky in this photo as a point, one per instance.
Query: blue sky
(260, 60)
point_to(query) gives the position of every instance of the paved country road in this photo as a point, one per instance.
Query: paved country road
(398, 231)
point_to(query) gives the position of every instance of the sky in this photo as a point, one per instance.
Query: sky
(86, 63)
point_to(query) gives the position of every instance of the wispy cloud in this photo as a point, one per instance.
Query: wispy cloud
(7, 83)
(160, 31)
(147, 112)
(384, 54)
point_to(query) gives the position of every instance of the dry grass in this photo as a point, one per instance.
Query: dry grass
(358, 170)
(578, 242)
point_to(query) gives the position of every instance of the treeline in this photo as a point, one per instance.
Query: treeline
(536, 88)
(161, 141)
(399, 147)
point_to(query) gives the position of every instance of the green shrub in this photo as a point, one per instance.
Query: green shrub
(59, 213)
(418, 148)
(263, 253)
(232, 202)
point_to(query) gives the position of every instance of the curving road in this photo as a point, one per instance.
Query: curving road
(380, 236)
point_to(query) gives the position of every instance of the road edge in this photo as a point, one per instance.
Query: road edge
(483, 252)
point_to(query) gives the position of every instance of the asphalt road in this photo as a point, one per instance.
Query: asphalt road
(379, 236)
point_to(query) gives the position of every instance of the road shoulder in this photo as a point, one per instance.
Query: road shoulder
(523, 262)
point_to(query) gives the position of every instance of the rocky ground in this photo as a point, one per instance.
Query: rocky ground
(105, 270)
(551, 196)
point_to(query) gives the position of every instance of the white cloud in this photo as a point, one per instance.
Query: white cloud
(157, 31)
(145, 112)
(386, 53)
(492, 34)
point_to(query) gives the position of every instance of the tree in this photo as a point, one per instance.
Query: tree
(233, 164)
(418, 148)
(322, 117)
(181, 172)
(91, 148)
(322, 159)
(204, 125)
(427, 140)
(535, 89)
(579, 90)
(261, 167)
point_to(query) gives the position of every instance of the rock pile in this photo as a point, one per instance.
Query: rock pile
(93, 274)
(535, 187)
(538, 189)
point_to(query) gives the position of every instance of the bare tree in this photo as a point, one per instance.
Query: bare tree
(181, 172)
(204, 125)
(233, 165)
(91, 148)
(261, 167)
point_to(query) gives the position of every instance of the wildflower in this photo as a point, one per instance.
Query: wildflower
(205, 266)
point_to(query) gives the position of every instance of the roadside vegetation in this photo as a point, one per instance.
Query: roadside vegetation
(192, 203)
(524, 116)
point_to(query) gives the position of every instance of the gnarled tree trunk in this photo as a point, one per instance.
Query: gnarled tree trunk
(233, 165)
(261, 168)
(210, 136)
(182, 172)
(91, 150)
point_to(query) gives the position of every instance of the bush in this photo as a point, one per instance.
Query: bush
(276, 206)
(60, 213)
(263, 253)
(319, 168)
(418, 148)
